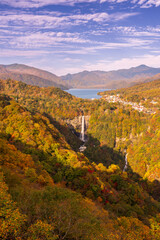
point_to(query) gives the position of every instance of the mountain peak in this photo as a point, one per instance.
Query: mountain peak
(143, 66)
(31, 75)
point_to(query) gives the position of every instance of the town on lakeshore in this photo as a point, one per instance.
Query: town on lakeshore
(137, 106)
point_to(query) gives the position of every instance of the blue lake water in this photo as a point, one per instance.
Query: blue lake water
(86, 93)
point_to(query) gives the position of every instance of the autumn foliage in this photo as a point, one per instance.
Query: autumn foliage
(48, 190)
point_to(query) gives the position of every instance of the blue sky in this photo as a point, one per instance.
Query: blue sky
(69, 36)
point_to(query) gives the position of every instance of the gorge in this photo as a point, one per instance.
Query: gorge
(70, 192)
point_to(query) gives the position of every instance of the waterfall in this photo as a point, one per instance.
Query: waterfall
(126, 163)
(82, 136)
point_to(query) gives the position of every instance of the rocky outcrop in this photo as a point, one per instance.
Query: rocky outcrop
(76, 123)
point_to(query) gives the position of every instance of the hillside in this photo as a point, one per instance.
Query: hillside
(50, 191)
(112, 126)
(147, 93)
(112, 79)
(30, 75)
(131, 130)
(53, 101)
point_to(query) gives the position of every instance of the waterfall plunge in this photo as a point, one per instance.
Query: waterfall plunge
(82, 136)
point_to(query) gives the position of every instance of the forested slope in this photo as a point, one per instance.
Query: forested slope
(144, 93)
(51, 100)
(50, 191)
(126, 130)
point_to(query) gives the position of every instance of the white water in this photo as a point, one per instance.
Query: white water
(82, 148)
(126, 163)
(82, 136)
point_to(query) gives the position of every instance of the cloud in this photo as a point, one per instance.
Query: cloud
(150, 60)
(22, 53)
(100, 46)
(74, 43)
(33, 20)
(113, 1)
(141, 3)
(103, 17)
(46, 40)
(41, 40)
(56, 21)
(41, 3)
(147, 3)
(27, 4)
(103, 65)
(137, 31)
(106, 65)
(125, 43)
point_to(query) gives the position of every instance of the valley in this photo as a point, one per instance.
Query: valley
(110, 190)
(80, 120)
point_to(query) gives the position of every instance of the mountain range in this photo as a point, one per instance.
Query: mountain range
(31, 75)
(111, 79)
(86, 79)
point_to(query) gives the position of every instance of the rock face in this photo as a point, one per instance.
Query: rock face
(76, 123)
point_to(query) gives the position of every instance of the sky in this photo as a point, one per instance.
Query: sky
(70, 36)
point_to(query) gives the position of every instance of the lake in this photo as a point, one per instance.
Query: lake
(86, 93)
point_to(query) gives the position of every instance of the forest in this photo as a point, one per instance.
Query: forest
(145, 93)
(50, 190)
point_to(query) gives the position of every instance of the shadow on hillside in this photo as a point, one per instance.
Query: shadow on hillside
(84, 179)
(70, 135)
(106, 155)
(94, 152)
(103, 154)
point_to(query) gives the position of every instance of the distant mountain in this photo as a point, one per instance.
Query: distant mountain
(150, 79)
(112, 79)
(31, 75)
(86, 79)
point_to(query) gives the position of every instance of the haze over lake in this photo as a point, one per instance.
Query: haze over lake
(86, 93)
